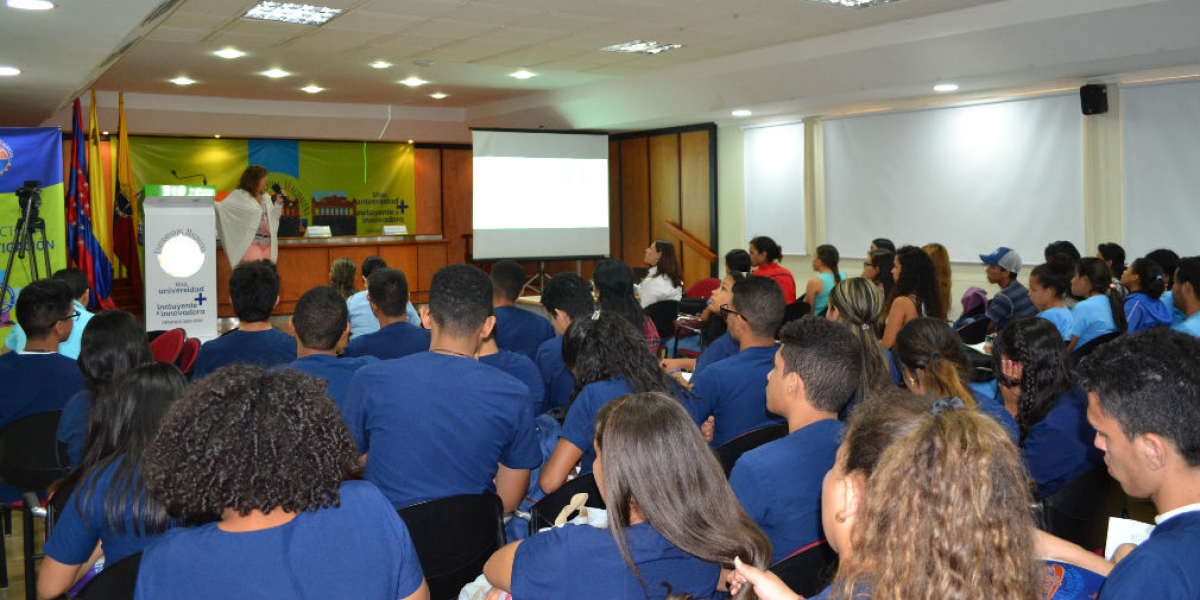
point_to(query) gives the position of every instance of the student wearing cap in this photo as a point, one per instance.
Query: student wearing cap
(1012, 301)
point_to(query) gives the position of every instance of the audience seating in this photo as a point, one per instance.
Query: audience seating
(1079, 510)
(663, 314)
(695, 299)
(187, 356)
(116, 582)
(31, 460)
(795, 310)
(808, 570)
(729, 452)
(167, 345)
(543, 513)
(973, 330)
(1083, 351)
(454, 537)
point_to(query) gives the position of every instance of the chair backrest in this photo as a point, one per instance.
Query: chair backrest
(703, 289)
(1083, 351)
(167, 346)
(808, 570)
(974, 331)
(1079, 510)
(795, 310)
(729, 452)
(30, 458)
(187, 355)
(454, 537)
(543, 513)
(115, 582)
(663, 314)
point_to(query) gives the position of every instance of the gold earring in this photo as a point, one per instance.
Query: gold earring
(839, 516)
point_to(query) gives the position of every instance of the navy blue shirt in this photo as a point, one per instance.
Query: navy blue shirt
(993, 408)
(779, 484)
(521, 331)
(1165, 566)
(557, 378)
(723, 347)
(734, 392)
(336, 371)
(34, 383)
(519, 366)
(394, 341)
(579, 427)
(435, 425)
(263, 348)
(72, 425)
(1060, 447)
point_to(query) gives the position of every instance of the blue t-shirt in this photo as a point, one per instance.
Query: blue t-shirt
(35, 383)
(1190, 325)
(1011, 302)
(1144, 312)
(821, 302)
(734, 392)
(579, 427)
(1060, 316)
(1168, 300)
(1165, 566)
(336, 371)
(68, 347)
(1092, 318)
(557, 379)
(1060, 447)
(521, 331)
(779, 484)
(519, 366)
(1059, 581)
(723, 347)
(435, 425)
(582, 562)
(72, 425)
(82, 524)
(993, 408)
(363, 321)
(263, 348)
(360, 550)
(397, 340)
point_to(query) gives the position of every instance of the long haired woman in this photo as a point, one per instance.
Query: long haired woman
(916, 293)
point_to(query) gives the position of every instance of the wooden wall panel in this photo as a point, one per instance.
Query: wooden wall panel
(695, 200)
(614, 199)
(664, 185)
(427, 171)
(430, 258)
(300, 270)
(405, 259)
(635, 199)
(456, 201)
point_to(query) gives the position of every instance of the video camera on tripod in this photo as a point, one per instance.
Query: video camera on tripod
(29, 197)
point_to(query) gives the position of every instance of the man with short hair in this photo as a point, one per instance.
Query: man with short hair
(254, 293)
(566, 297)
(779, 483)
(1186, 295)
(387, 293)
(517, 330)
(440, 423)
(78, 282)
(1012, 301)
(1144, 402)
(362, 319)
(734, 391)
(319, 323)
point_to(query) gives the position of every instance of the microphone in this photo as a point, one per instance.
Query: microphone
(203, 179)
(275, 187)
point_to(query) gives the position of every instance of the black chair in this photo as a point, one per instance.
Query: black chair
(116, 582)
(1083, 351)
(975, 331)
(808, 570)
(981, 366)
(796, 310)
(663, 314)
(454, 537)
(1079, 510)
(729, 452)
(31, 460)
(543, 513)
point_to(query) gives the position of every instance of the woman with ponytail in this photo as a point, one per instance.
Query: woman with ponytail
(1143, 308)
(1101, 311)
(857, 303)
(816, 291)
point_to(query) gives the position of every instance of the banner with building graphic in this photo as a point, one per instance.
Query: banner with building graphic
(30, 155)
(353, 187)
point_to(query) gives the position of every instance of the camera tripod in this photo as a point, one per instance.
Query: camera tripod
(30, 232)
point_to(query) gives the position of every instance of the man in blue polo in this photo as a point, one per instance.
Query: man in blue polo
(387, 294)
(565, 297)
(1012, 301)
(517, 330)
(319, 322)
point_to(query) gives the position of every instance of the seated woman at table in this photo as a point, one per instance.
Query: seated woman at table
(673, 521)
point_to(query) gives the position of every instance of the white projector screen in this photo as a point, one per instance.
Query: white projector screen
(539, 195)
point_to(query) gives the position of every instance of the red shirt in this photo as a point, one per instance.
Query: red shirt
(781, 276)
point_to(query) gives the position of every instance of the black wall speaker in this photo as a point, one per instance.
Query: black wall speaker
(1093, 99)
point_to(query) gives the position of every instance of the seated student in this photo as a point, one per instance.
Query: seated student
(825, 264)
(1099, 313)
(517, 365)
(734, 391)
(517, 329)
(267, 452)
(605, 353)
(672, 521)
(362, 318)
(1144, 401)
(387, 295)
(917, 293)
(1187, 295)
(1049, 288)
(856, 304)
(1012, 301)
(114, 344)
(712, 329)
(567, 297)
(764, 257)
(1169, 261)
(664, 281)
(719, 349)
(1056, 442)
(319, 323)
(1144, 280)
(109, 512)
(69, 347)
(463, 427)
(254, 293)
(614, 293)
(816, 370)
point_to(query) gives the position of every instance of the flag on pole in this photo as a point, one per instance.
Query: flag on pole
(101, 195)
(124, 219)
(81, 243)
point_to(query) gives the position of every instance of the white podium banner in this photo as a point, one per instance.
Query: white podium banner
(181, 253)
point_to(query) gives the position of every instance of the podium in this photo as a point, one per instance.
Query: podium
(180, 259)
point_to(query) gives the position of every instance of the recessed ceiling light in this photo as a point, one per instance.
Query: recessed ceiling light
(380, 64)
(30, 4)
(300, 14)
(9, 71)
(741, 112)
(522, 74)
(103, 133)
(218, 136)
(181, 80)
(640, 47)
(410, 141)
(276, 73)
(229, 53)
(438, 95)
(854, 3)
(945, 87)
(312, 89)
(413, 81)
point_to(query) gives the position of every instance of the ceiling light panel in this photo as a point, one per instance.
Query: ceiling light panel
(854, 3)
(522, 74)
(641, 47)
(276, 73)
(229, 53)
(7, 71)
(413, 81)
(181, 80)
(30, 4)
(286, 12)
